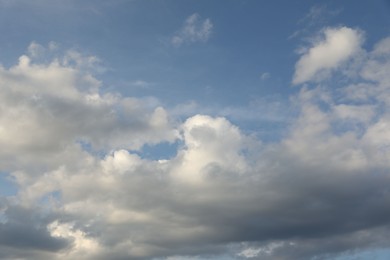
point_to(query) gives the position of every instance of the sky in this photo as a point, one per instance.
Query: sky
(192, 130)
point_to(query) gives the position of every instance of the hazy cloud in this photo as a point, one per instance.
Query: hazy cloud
(194, 30)
(265, 75)
(318, 14)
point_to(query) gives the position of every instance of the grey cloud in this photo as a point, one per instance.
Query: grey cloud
(320, 191)
(23, 231)
(24, 236)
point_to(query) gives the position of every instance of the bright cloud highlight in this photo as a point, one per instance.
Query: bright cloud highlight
(338, 45)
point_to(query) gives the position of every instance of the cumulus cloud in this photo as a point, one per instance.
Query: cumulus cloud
(194, 30)
(85, 192)
(336, 47)
(47, 108)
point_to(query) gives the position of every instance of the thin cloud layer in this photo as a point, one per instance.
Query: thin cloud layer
(194, 30)
(85, 191)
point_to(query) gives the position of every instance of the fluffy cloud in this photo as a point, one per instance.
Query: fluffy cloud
(193, 30)
(337, 46)
(85, 192)
(48, 108)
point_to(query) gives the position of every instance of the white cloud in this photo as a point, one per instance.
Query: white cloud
(82, 245)
(266, 250)
(337, 46)
(250, 252)
(212, 146)
(60, 105)
(377, 66)
(81, 62)
(322, 188)
(194, 30)
(362, 113)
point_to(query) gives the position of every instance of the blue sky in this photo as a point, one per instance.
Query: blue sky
(132, 38)
(140, 129)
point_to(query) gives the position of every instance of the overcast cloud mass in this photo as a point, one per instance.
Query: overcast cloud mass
(95, 172)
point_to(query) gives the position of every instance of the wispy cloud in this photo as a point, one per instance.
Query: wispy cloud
(315, 18)
(318, 15)
(193, 30)
(265, 75)
(141, 83)
(336, 46)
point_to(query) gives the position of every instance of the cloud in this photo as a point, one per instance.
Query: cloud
(318, 14)
(141, 84)
(265, 75)
(60, 105)
(86, 192)
(194, 30)
(265, 251)
(317, 17)
(337, 46)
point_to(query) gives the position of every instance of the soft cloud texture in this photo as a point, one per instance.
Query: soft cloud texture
(194, 30)
(337, 46)
(85, 190)
(48, 108)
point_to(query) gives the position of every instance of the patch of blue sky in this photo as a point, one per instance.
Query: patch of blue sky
(374, 254)
(8, 186)
(87, 147)
(160, 151)
(138, 45)
(48, 199)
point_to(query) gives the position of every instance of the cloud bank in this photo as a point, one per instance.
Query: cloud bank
(85, 191)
